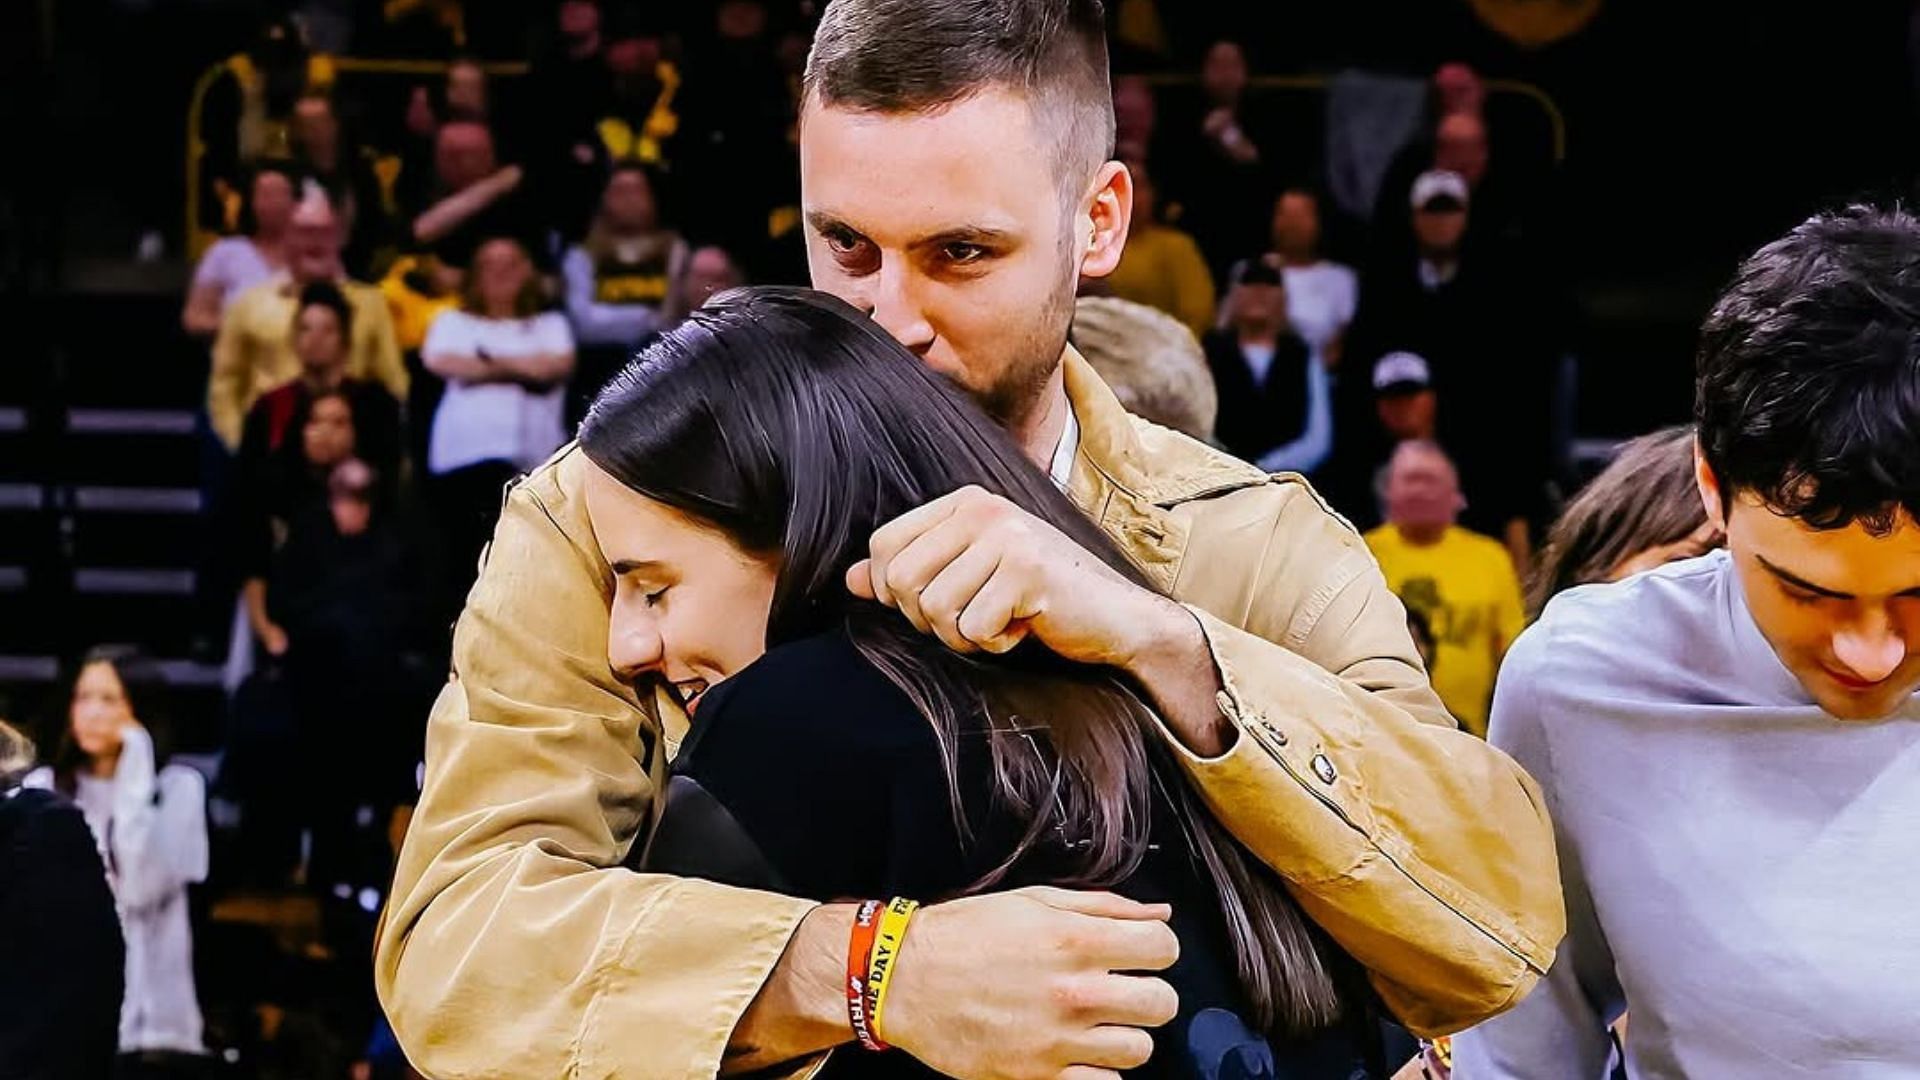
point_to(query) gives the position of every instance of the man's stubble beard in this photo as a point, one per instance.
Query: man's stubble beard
(1015, 396)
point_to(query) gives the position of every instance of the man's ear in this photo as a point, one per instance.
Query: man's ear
(1712, 499)
(1109, 212)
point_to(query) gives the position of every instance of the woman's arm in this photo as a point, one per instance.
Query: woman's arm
(466, 368)
(450, 213)
(271, 636)
(159, 826)
(201, 315)
(602, 324)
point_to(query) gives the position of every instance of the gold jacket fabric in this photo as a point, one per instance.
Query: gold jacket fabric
(515, 945)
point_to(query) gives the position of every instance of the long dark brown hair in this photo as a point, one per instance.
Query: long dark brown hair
(797, 427)
(1645, 498)
(142, 683)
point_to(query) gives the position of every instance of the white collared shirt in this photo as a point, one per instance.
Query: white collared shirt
(1060, 469)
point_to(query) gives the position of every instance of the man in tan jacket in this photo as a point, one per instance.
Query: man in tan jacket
(956, 186)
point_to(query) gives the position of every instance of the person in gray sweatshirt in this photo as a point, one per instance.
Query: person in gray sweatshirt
(1730, 745)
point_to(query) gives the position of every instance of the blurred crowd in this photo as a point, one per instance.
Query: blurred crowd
(409, 287)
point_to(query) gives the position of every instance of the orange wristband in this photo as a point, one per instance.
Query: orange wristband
(866, 927)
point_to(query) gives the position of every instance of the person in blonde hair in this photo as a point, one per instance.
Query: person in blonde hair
(1151, 360)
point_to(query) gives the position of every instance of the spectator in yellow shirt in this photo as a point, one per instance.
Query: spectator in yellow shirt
(1463, 583)
(1162, 267)
(254, 351)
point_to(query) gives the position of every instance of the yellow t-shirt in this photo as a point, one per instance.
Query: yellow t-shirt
(1162, 268)
(1466, 587)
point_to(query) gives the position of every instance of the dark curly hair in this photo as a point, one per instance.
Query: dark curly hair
(1807, 391)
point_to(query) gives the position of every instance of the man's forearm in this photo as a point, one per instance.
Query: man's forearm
(1176, 670)
(801, 1010)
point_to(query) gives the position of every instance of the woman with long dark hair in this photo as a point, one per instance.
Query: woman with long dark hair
(1642, 511)
(149, 819)
(741, 463)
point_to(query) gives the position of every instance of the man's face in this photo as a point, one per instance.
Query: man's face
(1407, 415)
(741, 20)
(948, 228)
(1260, 304)
(1423, 491)
(463, 155)
(467, 88)
(272, 201)
(351, 514)
(1459, 89)
(1439, 232)
(1296, 225)
(1460, 145)
(313, 241)
(1841, 607)
(1223, 74)
(709, 271)
(579, 19)
(1133, 109)
(315, 127)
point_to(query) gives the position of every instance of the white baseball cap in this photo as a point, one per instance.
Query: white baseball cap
(1401, 373)
(1439, 183)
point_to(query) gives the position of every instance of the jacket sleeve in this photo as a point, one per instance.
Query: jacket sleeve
(385, 365)
(514, 943)
(1418, 847)
(231, 372)
(1559, 1032)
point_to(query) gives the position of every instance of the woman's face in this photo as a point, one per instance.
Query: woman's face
(317, 339)
(327, 437)
(689, 606)
(629, 200)
(272, 201)
(100, 711)
(504, 271)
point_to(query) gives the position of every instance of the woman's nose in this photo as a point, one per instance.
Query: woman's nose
(633, 647)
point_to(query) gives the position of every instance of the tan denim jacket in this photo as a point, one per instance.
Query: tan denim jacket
(511, 949)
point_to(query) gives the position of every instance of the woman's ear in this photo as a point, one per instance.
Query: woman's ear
(1108, 214)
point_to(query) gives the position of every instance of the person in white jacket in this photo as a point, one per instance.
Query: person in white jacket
(149, 820)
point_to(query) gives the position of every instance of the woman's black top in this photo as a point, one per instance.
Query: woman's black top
(809, 773)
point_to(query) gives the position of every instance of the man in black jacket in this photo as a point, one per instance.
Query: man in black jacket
(62, 959)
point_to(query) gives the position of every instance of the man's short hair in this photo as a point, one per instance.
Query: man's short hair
(1807, 389)
(1151, 361)
(907, 56)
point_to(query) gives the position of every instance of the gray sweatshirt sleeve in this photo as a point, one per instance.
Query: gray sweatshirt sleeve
(595, 323)
(159, 843)
(1559, 1030)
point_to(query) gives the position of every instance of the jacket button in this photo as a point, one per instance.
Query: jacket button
(1323, 768)
(1278, 735)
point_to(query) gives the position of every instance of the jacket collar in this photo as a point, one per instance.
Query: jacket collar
(1129, 474)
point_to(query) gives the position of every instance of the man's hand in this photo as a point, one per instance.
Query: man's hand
(1004, 986)
(982, 575)
(1023, 985)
